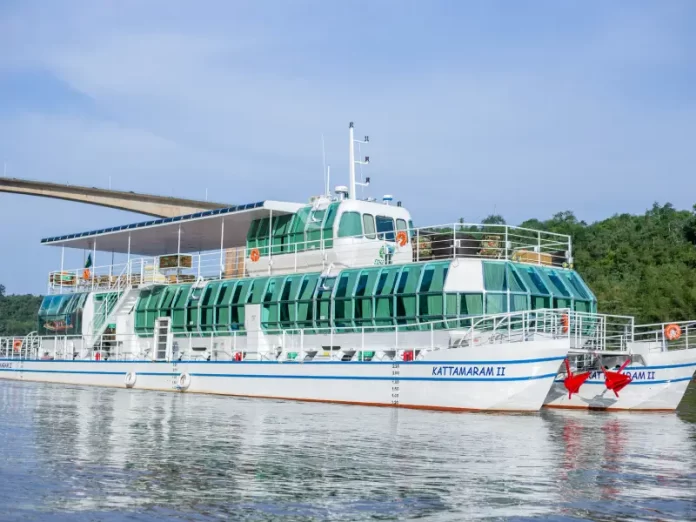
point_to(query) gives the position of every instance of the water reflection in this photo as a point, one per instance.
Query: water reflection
(108, 454)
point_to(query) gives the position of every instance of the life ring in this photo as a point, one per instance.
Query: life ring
(401, 238)
(672, 332)
(17, 345)
(238, 356)
(85, 274)
(130, 379)
(183, 381)
(565, 322)
(255, 255)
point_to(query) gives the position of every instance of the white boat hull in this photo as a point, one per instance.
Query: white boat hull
(500, 377)
(657, 386)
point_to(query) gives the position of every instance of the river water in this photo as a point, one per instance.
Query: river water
(79, 453)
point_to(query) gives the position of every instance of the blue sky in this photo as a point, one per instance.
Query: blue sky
(522, 108)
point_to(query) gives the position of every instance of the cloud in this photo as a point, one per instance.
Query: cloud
(528, 110)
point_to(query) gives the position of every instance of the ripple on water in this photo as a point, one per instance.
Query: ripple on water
(72, 453)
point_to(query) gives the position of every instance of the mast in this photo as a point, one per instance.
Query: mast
(351, 159)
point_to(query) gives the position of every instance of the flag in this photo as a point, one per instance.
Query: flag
(89, 261)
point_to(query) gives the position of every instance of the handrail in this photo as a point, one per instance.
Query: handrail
(431, 243)
(583, 329)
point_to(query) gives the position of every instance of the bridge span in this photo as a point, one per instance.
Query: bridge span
(148, 204)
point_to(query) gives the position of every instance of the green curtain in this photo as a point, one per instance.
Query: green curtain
(494, 276)
(496, 304)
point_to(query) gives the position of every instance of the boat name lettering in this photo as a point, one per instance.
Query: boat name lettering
(636, 375)
(469, 371)
(5, 365)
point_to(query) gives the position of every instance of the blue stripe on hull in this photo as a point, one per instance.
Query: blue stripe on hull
(318, 377)
(514, 361)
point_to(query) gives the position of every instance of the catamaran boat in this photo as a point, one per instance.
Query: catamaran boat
(344, 300)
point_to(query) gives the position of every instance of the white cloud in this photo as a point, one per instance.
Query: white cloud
(464, 116)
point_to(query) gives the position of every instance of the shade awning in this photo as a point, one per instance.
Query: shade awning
(199, 232)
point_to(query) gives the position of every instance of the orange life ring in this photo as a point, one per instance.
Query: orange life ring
(17, 345)
(85, 274)
(401, 238)
(672, 332)
(255, 255)
(565, 321)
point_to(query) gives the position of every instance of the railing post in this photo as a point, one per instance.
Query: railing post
(506, 244)
(539, 247)
(417, 245)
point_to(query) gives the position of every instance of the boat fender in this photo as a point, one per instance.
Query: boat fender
(401, 238)
(672, 332)
(183, 381)
(130, 379)
(238, 356)
(408, 355)
(565, 321)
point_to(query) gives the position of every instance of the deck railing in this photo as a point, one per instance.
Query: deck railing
(666, 336)
(440, 242)
(591, 332)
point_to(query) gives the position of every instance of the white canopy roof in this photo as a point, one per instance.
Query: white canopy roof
(198, 232)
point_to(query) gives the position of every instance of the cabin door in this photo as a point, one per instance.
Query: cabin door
(163, 339)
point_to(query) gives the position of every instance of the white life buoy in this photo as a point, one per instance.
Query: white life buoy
(130, 379)
(183, 381)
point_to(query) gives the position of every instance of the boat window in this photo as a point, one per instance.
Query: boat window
(350, 225)
(401, 224)
(385, 228)
(494, 276)
(327, 232)
(313, 228)
(296, 237)
(369, 226)
(410, 228)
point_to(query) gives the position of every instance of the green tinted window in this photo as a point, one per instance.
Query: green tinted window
(369, 226)
(350, 225)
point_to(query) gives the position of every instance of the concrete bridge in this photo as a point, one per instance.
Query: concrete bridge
(148, 204)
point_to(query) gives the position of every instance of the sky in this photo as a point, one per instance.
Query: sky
(472, 107)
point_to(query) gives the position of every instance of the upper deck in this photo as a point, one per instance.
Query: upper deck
(275, 238)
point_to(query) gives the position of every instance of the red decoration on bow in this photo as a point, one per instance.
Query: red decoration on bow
(617, 381)
(573, 382)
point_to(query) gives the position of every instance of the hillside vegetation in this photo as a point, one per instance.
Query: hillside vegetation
(636, 265)
(18, 313)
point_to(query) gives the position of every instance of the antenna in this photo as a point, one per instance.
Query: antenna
(328, 181)
(323, 166)
(351, 154)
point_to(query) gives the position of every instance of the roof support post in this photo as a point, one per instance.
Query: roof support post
(222, 247)
(62, 259)
(128, 263)
(178, 254)
(94, 260)
(270, 241)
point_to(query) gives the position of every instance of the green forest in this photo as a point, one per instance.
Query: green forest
(642, 265)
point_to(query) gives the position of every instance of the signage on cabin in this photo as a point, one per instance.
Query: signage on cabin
(386, 253)
(468, 371)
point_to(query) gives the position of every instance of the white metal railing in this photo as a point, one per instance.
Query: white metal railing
(684, 336)
(439, 242)
(580, 330)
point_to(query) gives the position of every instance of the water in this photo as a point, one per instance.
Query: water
(76, 453)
